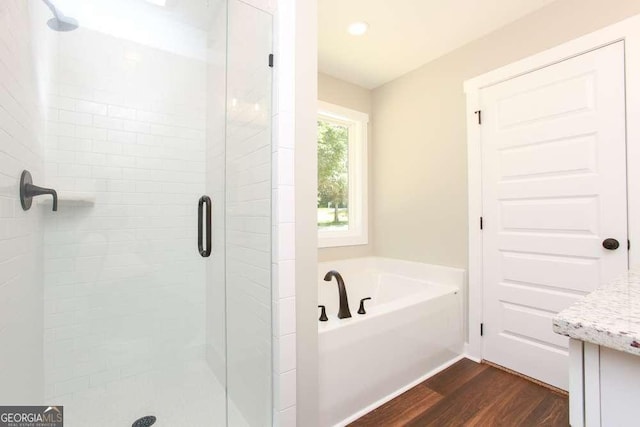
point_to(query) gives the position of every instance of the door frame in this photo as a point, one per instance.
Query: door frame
(627, 31)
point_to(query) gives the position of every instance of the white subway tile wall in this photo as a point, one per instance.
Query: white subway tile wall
(21, 135)
(283, 296)
(124, 284)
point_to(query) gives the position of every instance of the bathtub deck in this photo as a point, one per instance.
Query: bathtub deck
(471, 394)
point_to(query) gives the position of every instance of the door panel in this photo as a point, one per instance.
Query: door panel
(577, 155)
(553, 215)
(570, 274)
(567, 95)
(527, 294)
(525, 321)
(554, 187)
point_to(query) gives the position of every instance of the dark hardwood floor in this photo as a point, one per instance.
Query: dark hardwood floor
(472, 394)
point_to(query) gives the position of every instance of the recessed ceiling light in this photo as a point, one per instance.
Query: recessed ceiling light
(358, 28)
(158, 2)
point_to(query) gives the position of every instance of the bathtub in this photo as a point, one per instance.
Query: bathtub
(412, 329)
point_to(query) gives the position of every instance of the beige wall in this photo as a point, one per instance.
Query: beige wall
(356, 98)
(419, 165)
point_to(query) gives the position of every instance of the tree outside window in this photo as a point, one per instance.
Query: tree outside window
(333, 176)
(342, 176)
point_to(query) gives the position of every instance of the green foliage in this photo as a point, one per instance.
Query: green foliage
(333, 176)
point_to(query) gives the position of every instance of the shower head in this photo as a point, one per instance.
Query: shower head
(60, 22)
(63, 24)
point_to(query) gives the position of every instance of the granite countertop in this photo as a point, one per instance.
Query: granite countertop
(608, 316)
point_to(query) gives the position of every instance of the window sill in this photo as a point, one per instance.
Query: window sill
(338, 241)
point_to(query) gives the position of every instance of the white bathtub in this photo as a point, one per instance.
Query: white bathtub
(413, 328)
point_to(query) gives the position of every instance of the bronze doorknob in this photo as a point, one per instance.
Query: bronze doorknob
(611, 244)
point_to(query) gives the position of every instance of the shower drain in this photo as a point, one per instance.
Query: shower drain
(147, 421)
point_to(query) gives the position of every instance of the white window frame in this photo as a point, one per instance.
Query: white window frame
(357, 122)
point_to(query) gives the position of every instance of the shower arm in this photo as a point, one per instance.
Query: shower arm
(53, 9)
(31, 191)
(28, 191)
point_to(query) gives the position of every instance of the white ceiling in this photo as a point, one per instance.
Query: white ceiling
(404, 34)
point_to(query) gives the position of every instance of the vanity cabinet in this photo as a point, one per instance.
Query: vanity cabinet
(604, 387)
(604, 354)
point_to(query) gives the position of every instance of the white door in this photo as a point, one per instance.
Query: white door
(554, 188)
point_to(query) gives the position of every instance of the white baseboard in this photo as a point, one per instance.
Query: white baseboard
(468, 355)
(401, 390)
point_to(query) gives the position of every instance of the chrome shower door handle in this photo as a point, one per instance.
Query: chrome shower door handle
(204, 204)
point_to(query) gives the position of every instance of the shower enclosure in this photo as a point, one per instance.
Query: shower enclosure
(147, 295)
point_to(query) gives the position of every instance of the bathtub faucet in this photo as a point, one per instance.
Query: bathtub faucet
(343, 312)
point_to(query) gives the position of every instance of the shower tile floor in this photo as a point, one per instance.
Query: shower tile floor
(178, 397)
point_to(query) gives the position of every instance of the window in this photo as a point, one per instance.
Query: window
(342, 176)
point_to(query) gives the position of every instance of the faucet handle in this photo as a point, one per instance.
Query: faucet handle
(323, 313)
(361, 309)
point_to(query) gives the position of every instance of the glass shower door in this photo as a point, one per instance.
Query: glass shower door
(129, 124)
(138, 108)
(248, 216)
